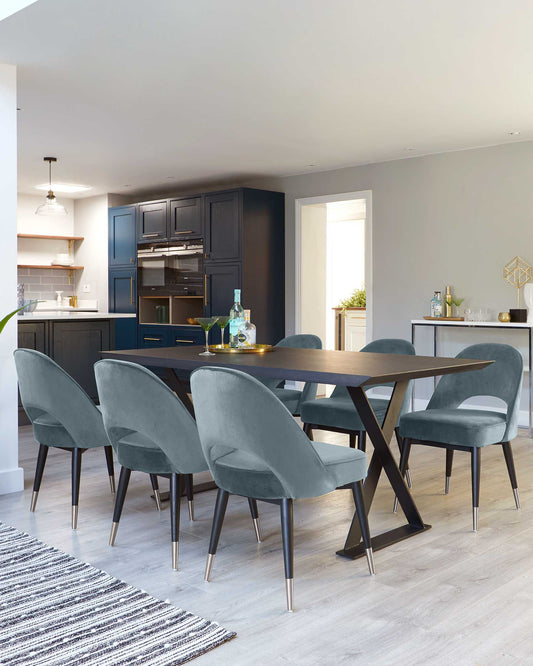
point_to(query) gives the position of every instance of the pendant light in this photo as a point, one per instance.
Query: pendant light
(50, 206)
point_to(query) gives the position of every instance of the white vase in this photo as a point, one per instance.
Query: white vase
(528, 298)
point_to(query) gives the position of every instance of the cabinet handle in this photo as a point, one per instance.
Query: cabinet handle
(131, 291)
(146, 339)
(205, 289)
(182, 232)
(189, 342)
(131, 260)
(150, 235)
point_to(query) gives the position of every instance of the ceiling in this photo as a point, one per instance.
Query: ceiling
(141, 95)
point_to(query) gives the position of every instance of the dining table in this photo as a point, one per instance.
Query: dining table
(357, 371)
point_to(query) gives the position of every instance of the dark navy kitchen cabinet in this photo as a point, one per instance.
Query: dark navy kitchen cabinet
(154, 336)
(152, 222)
(221, 281)
(185, 218)
(223, 221)
(122, 290)
(122, 239)
(182, 336)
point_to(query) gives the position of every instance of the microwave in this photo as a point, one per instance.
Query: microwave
(171, 269)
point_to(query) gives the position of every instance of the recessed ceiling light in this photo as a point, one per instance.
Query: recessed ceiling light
(126, 186)
(514, 133)
(171, 177)
(312, 165)
(64, 188)
(408, 149)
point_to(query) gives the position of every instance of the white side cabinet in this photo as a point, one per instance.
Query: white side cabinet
(350, 329)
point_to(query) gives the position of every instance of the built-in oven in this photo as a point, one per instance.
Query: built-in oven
(170, 282)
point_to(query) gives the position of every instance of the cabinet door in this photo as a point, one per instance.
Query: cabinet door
(123, 290)
(31, 335)
(76, 347)
(185, 218)
(186, 336)
(154, 336)
(152, 222)
(221, 280)
(223, 226)
(122, 236)
(125, 333)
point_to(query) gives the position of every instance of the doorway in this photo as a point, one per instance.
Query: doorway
(334, 258)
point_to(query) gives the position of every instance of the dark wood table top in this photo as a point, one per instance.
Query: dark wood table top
(342, 368)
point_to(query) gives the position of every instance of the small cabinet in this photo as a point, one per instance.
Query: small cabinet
(152, 222)
(185, 218)
(154, 336)
(122, 250)
(76, 347)
(185, 336)
(123, 290)
(223, 226)
(221, 280)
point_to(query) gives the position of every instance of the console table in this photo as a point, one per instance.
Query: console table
(497, 325)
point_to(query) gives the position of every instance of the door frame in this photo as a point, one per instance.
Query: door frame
(327, 198)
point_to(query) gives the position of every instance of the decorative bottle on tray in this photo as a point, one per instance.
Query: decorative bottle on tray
(448, 303)
(436, 305)
(247, 331)
(236, 320)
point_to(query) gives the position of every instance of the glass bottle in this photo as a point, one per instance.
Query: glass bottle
(448, 304)
(436, 305)
(236, 319)
(247, 331)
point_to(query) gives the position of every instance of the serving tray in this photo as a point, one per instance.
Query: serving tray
(226, 349)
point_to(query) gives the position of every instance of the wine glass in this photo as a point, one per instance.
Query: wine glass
(207, 324)
(222, 322)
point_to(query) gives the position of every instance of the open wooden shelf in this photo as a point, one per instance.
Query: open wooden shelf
(43, 237)
(57, 268)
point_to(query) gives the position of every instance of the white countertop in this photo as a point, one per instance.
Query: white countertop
(495, 324)
(69, 315)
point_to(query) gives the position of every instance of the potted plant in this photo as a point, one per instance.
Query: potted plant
(356, 300)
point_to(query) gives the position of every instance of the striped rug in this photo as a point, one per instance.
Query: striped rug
(56, 610)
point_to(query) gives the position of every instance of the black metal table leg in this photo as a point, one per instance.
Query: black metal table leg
(382, 459)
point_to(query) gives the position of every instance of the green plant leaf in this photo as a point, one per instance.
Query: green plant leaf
(4, 321)
(356, 300)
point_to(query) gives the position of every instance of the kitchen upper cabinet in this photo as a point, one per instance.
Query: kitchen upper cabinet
(122, 240)
(122, 290)
(221, 280)
(185, 218)
(152, 222)
(223, 221)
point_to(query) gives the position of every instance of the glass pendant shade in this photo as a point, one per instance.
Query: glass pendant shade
(50, 206)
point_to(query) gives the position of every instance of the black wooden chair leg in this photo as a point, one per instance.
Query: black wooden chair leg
(353, 440)
(476, 469)
(41, 462)
(155, 487)
(190, 495)
(449, 464)
(255, 517)
(216, 528)
(404, 463)
(357, 490)
(76, 475)
(175, 495)
(110, 467)
(308, 430)
(361, 440)
(508, 454)
(123, 481)
(288, 549)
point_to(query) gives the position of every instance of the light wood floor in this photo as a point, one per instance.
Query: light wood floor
(447, 596)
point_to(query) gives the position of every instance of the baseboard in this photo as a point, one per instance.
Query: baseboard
(11, 480)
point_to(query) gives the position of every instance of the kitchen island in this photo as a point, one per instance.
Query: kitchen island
(73, 339)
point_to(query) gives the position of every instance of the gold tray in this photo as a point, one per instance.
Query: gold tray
(226, 349)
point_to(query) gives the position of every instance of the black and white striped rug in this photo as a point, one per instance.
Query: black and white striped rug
(56, 610)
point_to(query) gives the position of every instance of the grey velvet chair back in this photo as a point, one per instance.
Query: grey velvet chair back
(385, 346)
(47, 390)
(502, 379)
(298, 341)
(235, 412)
(134, 400)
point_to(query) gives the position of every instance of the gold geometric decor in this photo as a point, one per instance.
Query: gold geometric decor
(517, 272)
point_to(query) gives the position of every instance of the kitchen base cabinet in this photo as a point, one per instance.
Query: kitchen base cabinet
(125, 334)
(154, 336)
(31, 335)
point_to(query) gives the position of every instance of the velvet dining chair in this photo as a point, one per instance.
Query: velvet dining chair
(446, 424)
(255, 448)
(63, 417)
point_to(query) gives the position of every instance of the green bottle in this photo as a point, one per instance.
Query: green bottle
(236, 320)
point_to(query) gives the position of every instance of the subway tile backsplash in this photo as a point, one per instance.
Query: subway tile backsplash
(41, 284)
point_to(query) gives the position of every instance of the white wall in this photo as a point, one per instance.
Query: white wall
(90, 221)
(313, 289)
(11, 475)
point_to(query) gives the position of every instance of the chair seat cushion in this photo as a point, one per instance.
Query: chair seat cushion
(242, 473)
(49, 432)
(141, 454)
(289, 397)
(339, 412)
(461, 427)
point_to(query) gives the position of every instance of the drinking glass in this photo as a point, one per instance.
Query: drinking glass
(222, 322)
(207, 324)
